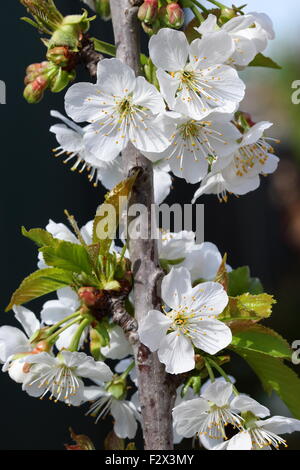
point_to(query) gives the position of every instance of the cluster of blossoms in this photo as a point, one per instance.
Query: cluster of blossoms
(187, 123)
(190, 126)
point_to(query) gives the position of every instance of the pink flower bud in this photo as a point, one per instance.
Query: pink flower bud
(34, 91)
(148, 11)
(172, 15)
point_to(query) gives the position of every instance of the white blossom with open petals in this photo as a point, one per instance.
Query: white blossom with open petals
(61, 376)
(197, 144)
(190, 317)
(241, 170)
(121, 108)
(259, 434)
(14, 341)
(192, 78)
(248, 35)
(209, 414)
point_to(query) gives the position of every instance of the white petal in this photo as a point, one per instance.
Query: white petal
(168, 87)
(119, 346)
(210, 25)
(241, 441)
(93, 392)
(203, 261)
(27, 319)
(208, 299)
(87, 234)
(244, 403)
(68, 139)
(115, 78)
(177, 353)
(169, 49)
(210, 335)
(153, 328)
(69, 298)
(213, 49)
(61, 232)
(189, 415)
(82, 102)
(193, 168)
(218, 392)
(12, 341)
(146, 95)
(162, 182)
(255, 133)
(280, 425)
(175, 285)
(105, 146)
(53, 311)
(95, 370)
(125, 421)
(270, 165)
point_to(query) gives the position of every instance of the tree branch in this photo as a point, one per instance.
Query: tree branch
(156, 388)
(89, 57)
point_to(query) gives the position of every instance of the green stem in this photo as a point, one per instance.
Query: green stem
(61, 322)
(76, 338)
(223, 374)
(104, 47)
(128, 370)
(199, 5)
(218, 4)
(53, 337)
(196, 13)
(209, 370)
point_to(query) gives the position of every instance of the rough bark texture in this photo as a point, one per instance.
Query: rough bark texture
(156, 388)
(89, 57)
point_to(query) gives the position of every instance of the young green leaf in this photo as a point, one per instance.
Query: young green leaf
(275, 376)
(241, 282)
(262, 61)
(248, 307)
(68, 256)
(261, 339)
(40, 283)
(39, 236)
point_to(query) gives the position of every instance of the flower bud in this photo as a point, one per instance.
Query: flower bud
(62, 56)
(61, 79)
(34, 91)
(103, 9)
(148, 11)
(172, 15)
(226, 15)
(151, 28)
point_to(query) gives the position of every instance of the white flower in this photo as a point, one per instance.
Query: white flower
(248, 35)
(192, 78)
(202, 260)
(240, 175)
(197, 144)
(191, 320)
(208, 415)
(177, 438)
(14, 342)
(119, 347)
(61, 376)
(121, 108)
(124, 412)
(259, 434)
(71, 139)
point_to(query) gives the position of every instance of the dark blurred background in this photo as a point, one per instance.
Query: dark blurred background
(261, 229)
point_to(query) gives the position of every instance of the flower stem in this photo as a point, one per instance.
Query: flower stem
(199, 5)
(210, 371)
(223, 374)
(128, 370)
(196, 12)
(76, 338)
(218, 4)
(54, 336)
(61, 322)
(104, 47)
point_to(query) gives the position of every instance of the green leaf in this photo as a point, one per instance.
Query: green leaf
(40, 283)
(104, 47)
(240, 282)
(248, 307)
(68, 256)
(275, 376)
(262, 61)
(106, 222)
(261, 339)
(38, 235)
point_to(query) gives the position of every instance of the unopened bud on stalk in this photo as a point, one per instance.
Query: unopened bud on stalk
(34, 91)
(148, 11)
(102, 7)
(62, 56)
(226, 15)
(151, 28)
(172, 15)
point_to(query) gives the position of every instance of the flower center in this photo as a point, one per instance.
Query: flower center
(61, 382)
(125, 108)
(217, 419)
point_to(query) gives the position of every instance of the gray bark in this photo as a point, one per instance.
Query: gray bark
(156, 388)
